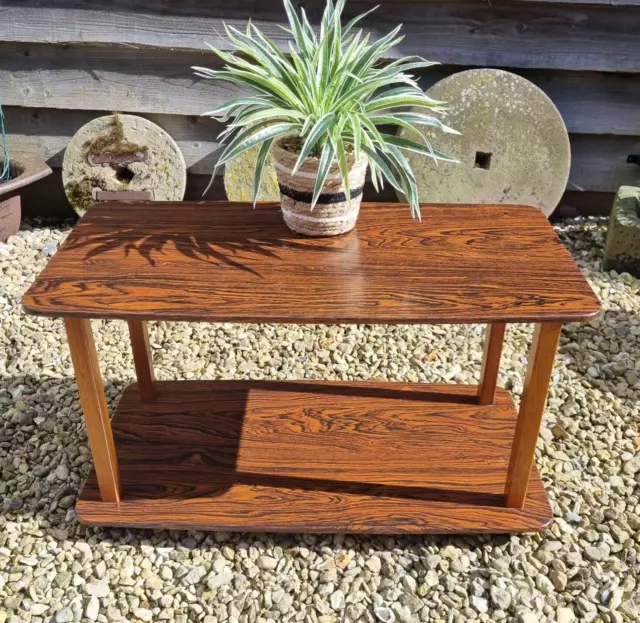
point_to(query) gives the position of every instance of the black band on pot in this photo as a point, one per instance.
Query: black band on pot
(323, 199)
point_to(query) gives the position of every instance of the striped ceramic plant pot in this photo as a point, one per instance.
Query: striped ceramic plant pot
(332, 215)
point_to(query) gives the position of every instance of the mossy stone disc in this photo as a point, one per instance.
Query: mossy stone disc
(239, 177)
(513, 147)
(161, 169)
(622, 251)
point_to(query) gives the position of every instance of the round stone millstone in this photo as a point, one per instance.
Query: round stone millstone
(122, 153)
(239, 175)
(513, 147)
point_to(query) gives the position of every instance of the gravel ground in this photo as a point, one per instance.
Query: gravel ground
(584, 569)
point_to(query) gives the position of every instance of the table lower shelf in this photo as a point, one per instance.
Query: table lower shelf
(314, 457)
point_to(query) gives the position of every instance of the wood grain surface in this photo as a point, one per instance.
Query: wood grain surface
(229, 262)
(493, 341)
(52, 76)
(532, 403)
(598, 160)
(48, 131)
(601, 162)
(505, 34)
(314, 456)
(94, 407)
(142, 359)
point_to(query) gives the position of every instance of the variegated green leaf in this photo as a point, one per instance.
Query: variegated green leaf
(318, 130)
(326, 160)
(410, 145)
(262, 158)
(254, 137)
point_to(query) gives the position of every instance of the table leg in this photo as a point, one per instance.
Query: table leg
(493, 341)
(94, 406)
(142, 359)
(534, 397)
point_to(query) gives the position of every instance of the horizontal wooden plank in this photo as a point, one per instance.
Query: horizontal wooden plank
(307, 457)
(592, 102)
(599, 162)
(484, 264)
(611, 3)
(108, 78)
(511, 33)
(585, 203)
(102, 78)
(48, 132)
(589, 102)
(46, 197)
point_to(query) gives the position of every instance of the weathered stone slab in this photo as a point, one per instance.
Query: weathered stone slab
(513, 147)
(622, 251)
(122, 154)
(239, 178)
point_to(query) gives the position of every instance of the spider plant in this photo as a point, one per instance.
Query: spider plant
(334, 91)
(5, 168)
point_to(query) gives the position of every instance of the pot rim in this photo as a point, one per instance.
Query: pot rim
(314, 160)
(32, 168)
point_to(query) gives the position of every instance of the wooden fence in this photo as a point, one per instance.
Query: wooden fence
(63, 62)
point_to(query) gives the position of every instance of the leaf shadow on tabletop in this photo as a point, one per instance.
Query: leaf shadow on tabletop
(235, 251)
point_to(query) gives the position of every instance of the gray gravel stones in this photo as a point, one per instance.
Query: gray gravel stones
(93, 608)
(216, 580)
(384, 614)
(373, 564)
(481, 604)
(565, 615)
(500, 597)
(337, 601)
(558, 579)
(597, 553)
(266, 563)
(584, 569)
(64, 615)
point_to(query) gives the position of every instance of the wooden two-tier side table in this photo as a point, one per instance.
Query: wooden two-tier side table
(310, 455)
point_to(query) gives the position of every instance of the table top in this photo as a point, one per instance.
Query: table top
(224, 261)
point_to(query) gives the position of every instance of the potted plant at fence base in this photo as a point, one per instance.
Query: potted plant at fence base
(323, 110)
(15, 173)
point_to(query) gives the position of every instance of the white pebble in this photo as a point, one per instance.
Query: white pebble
(384, 614)
(337, 601)
(93, 608)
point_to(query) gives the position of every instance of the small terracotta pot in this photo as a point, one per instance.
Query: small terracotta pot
(26, 168)
(332, 215)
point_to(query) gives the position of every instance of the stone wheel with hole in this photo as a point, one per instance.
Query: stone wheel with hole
(122, 153)
(513, 147)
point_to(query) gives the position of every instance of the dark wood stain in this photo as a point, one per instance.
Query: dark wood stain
(315, 456)
(522, 34)
(590, 102)
(221, 261)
